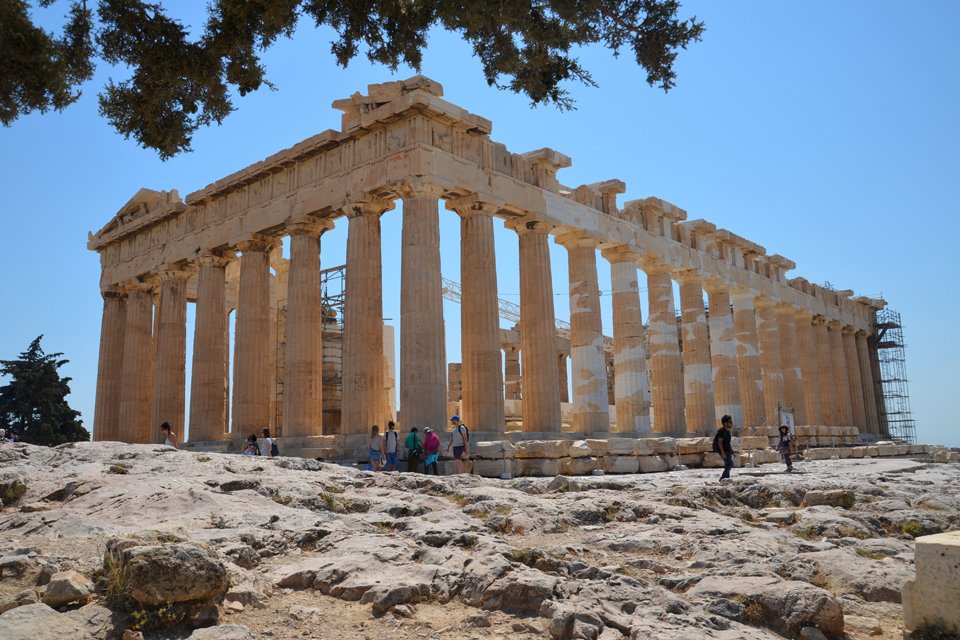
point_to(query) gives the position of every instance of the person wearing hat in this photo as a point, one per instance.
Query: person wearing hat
(431, 447)
(460, 442)
(783, 446)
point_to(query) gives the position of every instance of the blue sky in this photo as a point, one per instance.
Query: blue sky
(827, 132)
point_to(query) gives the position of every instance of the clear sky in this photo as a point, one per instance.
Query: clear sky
(827, 132)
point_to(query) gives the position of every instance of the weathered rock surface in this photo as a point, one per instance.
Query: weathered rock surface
(302, 548)
(37, 621)
(67, 587)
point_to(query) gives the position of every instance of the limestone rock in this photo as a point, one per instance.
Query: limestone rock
(11, 490)
(830, 497)
(162, 574)
(23, 598)
(522, 591)
(653, 464)
(223, 632)
(40, 622)
(67, 587)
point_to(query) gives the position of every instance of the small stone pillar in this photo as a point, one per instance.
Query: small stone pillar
(632, 383)
(170, 380)
(809, 363)
(363, 376)
(562, 383)
(930, 600)
(723, 353)
(770, 365)
(828, 384)
(748, 358)
(665, 365)
(511, 369)
(697, 370)
(106, 416)
(454, 382)
(840, 376)
(135, 399)
(855, 384)
(208, 391)
(866, 379)
(790, 362)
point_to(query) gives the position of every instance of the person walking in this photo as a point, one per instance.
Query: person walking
(377, 453)
(721, 444)
(783, 446)
(414, 450)
(392, 447)
(460, 442)
(431, 447)
(169, 437)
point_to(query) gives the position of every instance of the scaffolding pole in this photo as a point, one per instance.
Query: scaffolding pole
(890, 349)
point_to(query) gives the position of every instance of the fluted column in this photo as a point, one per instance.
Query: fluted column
(588, 365)
(423, 367)
(208, 391)
(480, 317)
(251, 367)
(632, 384)
(666, 374)
(790, 362)
(303, 359)
(809, 362)
(106, 416)
(136, 399)
(748, 358)
(854, 384)
(866, 379)
(363, 378)
(841, 380)
(723, 353)
(697, 371)
(170, 379)
(770, 360)
(540, 396)
(562, 383)
(828, 384)
(511, 366)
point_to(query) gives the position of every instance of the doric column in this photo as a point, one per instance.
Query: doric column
(562, 382)
(135, 399)
(208, 390)
(697, 371)
(588, 365)
(666, 374)
(790, 362)
(303, 360)
(841, 379)
(106, 416)
(866, 379)
(251, 366)
(828, 384)
(854, 384)
(540, 397)
(170, 379)
(363, 378)
(423, 366)
(723, 353)
(480, 317)
(511, 366)
(748, 358)
(770, 359)
(810, 364)
(629, 359)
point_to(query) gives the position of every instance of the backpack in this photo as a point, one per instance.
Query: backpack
(396, 437)
(716, 441)
(464, 431)
(274, 449)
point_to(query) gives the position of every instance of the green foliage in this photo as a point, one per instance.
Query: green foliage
(180, 83)
(867, 553)
(912, 528)
(34, 402)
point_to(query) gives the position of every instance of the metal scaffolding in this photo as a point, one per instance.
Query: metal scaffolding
(893, 378)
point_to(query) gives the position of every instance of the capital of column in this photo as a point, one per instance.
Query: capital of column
(372, 207)
(473, 205)
(215, 259)
(177, 272)
(309, 227)
(687, 275)
(257, 242)
(848, 329)
(419, 188)
(803, 315)
(524, 225)
(575, 240)
(784, 308)
(619, 253)
(835, 325)
(742, 296)
(860, 333)
(654, 265)
(716, 285)
(819, 320)
(146, 284)
(765, 302)
(113, 291)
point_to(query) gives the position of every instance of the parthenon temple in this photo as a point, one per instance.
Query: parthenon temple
(750, 341)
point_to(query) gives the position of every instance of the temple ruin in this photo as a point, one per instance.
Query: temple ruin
(763, 343)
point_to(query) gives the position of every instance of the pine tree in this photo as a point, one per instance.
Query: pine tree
(34, 403)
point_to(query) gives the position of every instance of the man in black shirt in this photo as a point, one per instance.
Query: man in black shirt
(723, 445)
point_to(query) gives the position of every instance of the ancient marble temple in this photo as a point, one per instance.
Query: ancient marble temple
(762, 340)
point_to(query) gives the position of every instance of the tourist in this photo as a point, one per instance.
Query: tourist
(460, 442)
(431, 447)
(267, 442)
(377, 453)
(392, 447)
(722, 443)
(414, 450)
(251, 448)
(783, 446)
(169, 437)
(3, 437)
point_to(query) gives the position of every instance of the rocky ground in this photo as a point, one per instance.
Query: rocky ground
(294, 548)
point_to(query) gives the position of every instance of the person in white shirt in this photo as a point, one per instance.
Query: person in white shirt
(267, 448)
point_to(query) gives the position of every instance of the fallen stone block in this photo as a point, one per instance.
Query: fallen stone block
(620, 464)
(653, 464)
(539, 467)
(930, 600)
(579, 466)
(67, 587)
(526, 449)
(831, 497)
(492, 450)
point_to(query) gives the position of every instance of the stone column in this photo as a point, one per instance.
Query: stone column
(666, 374)
(303, 357)
(629, 360)
(697, 371)
(723, 353)
(170, 379)
(363, 379)
(136, 398)
(480, 317)
(828, 385)
(770, 360)
(562, 384)
(854, 384)
(106, 416)
(252, 384)
(541, 398)
(866, 379)
(748, 358)
(512, 372)
(841, 379)
(208, 391)
(589, 368)
(809, 363)
(790, 362)
(423, 366)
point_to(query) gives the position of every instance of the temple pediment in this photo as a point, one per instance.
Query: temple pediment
(146, 204)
